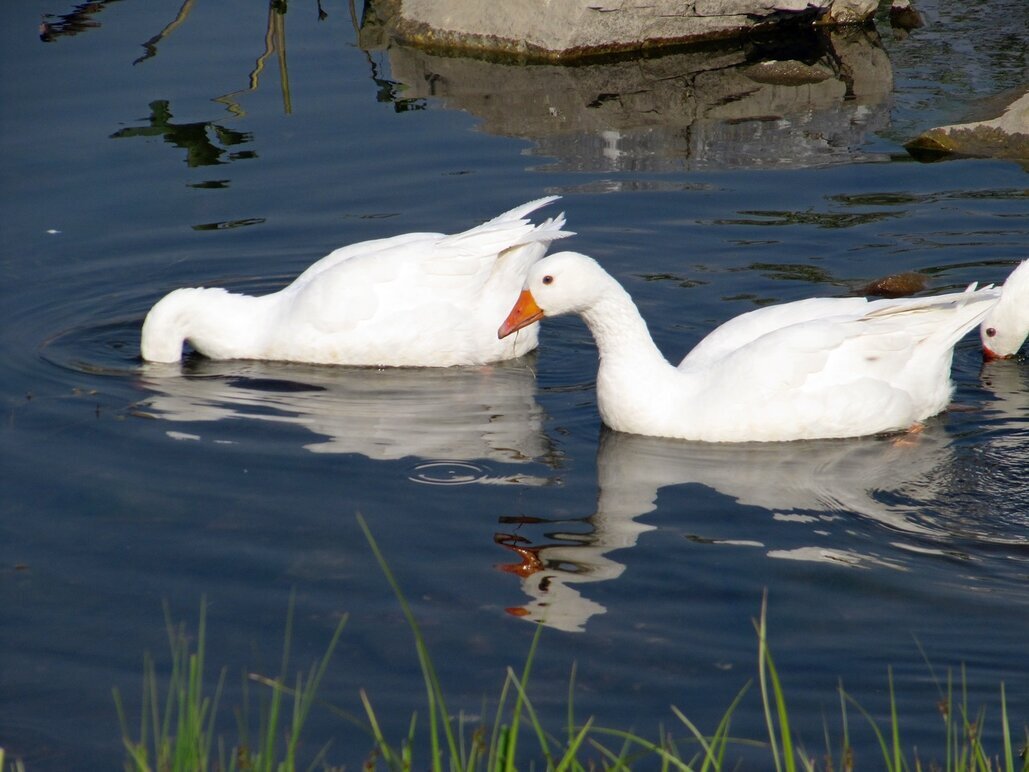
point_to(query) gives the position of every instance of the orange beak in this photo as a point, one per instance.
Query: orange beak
(524, 313)
(989, 356)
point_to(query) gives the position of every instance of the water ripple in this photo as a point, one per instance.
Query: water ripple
(448, 473)
(106, 347)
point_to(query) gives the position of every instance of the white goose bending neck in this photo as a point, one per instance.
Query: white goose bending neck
(635, 382)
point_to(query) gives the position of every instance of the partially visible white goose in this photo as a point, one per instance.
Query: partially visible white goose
(1006, 326)
(419, 299)
(876, 366)
(1002, 331)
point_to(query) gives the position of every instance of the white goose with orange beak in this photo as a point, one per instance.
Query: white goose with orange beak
(834, 368)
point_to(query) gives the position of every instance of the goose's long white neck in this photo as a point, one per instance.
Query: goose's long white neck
(633, 376)
(619, 330)
(217, 323)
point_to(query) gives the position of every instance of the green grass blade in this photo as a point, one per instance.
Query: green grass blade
(1009, 761)
(767, 670)
(846, 752)
(306, 696)
(407, 753)
(209, 729)
(705, 745)
(271, 729)
(642, 742)
(434, 692)
(789, 759)
(380, 739)
(523, 701)
(715, 747)
(952, 739)
(516, 714)
(887, 758)
(894, 723)
(570, 755)
(570, 729)
(498, 740)
(763, 683)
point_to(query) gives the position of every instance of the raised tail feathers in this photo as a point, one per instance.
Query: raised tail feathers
(965, 310)
(511, 229)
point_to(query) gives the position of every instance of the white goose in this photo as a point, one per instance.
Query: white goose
(419, 299)
(1003, 330)
(1006, 326)
(800, 372)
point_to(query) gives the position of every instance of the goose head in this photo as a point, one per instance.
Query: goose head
(1005, 328)
(562, 283)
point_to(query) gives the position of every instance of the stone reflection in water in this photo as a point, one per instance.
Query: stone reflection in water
(808, 100)
(449, 414)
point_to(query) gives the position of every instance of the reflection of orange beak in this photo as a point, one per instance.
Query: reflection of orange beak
(524, 313)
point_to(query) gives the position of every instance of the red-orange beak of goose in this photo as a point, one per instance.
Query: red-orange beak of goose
(524, 313)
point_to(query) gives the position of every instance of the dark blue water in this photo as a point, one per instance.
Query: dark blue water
(209, 156)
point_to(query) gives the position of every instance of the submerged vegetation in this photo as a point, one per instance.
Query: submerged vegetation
(177, 731)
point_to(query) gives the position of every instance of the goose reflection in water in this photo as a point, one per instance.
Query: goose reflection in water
(931, 492)
(549, 571)
(449, 414)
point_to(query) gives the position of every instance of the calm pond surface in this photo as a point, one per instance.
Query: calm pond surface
(148, 146)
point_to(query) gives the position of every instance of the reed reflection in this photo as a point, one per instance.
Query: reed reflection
(444, 415)
(194, 137)
(792, 101)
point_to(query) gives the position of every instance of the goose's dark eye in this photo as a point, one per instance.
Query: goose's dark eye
(548, 279)
(990, 331)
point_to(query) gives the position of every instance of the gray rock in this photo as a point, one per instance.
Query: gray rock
(571, 29)
(1006, 136)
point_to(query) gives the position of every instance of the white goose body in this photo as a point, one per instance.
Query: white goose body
(419, 299)
(874, 367)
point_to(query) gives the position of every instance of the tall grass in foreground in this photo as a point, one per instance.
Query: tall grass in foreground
(178, 731)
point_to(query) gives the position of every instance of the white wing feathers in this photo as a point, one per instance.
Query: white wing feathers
(478, 248)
